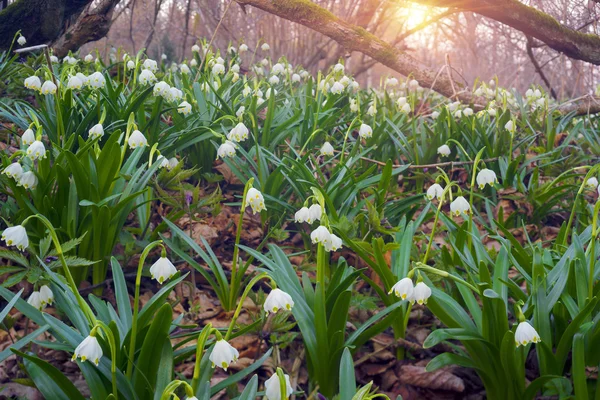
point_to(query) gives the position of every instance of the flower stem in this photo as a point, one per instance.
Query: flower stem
(238, 310)
(204, 334)
(113, 355)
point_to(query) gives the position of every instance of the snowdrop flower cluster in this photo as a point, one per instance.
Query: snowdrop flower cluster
(330, 241)
(526, 334)
(404, 289)
(42, 298)
(459, 206)
(444, 150)
(146, 77)
(255, 200)
(486, 177)
(162, 89)
(239, 133)
(273, 388)
(96, 80)
(162, 269)
(150, 65)
(309, 214)
(226, 149)
(74, 83)
(276, 300)
(16, 236)
(337, 88)
(89, 349)
(223, 354)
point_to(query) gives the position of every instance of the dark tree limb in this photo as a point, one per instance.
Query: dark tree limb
(537, 67)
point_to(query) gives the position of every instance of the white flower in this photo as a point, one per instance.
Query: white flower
(365, 131)
(315, 212)
(435, 114)
(88, 349)
(436, 190)
(273, 80)
(163, 161)
(137, 139)
(403, 289)
(89, 58)
(345, 81)
(591, 183)
(304, 74)
(334, 244)
(53, 59)
(71, 60)
(235, 68)
(372, 110)
(34, 83)
(327, 149)
(239, 133)
(162, 270)
(458, 114)
(444, 150)
(226, 149)
(97, 131)
(491, 112)
(162, 89)
(218, 69)
(401, 101)
(338, 68)
(96, 80)
(460, 205)
(220, 60)
(172, 163)
(486, 176)
(421, 293)
(184, 108)
(240, 111)
(150, 65)
(28, 137)
(74, 83)
(405, 108)
(526, 334)
(353, 105)
(48, 88)
(28, 180)
(302, 215)
(278, 299)
(14, 171)
(321, 235)
(184, 69)
(163, 57)
(468, 112)
(82, 77)
(273, 388)
(413, 84)
(243, 48)
(196, 48)
(232, 49)
(246, 92)
(175, 94)
(296, 78)
(46, 295)
(36, 150)
(35, 300)
(268, 93)
(391, 82)
(277, 69)
(337, 88)
(21, 40)
(193, 62)
(255, 199)
(16, 236)
(510, 126)
(223, 354)
(265, 47)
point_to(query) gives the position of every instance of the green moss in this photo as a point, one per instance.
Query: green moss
(306, 10)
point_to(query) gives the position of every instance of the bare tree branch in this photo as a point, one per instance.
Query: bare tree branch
(537, 67)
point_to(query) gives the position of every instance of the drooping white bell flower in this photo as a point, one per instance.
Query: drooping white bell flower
(89, 58)
(162, 270)
(255, 200)
(46, 295)
(175, 94)
(218, 69)
(96, 80)
(163, 161)
(239, 133)
(196, 48)
(405, 109)
(314, 213)
(321, 235)
(16, 236)
(436, 190)
(391, 82)
(137, 139)
(35, 300)
(89, 349)
(460, 205)
(486, 177)
(273, 80)
(28, 180)
(295, 78)
(34, 83)
(421, 292)
(403, 289)
(444, 150)
(162, 89)
(36, 151)
(273, 388)
(337, 88)
(338, 68)
(510, 126)
(435, 115)
(372, 109)
(467, 112)
(21, 40)
(173, 162)
(147, 77)
(334, 244)
(150, 65)
(268, 93)
(226, 149)
(327, 149)
(243, 48)
(277, 69)
(240, 111)
(48, 88)
(82, 77)
(365, 131)
(592, 183)
(235, 68)
(223, 354)
(193, 62)
(53, 59)
(74, 83)
(14, 170)
(28, 137)
(265, 47)
(413, 84)
(184, 108)
(344, 80)
(353, 105)
(97, 131)
(302, 215)
(526, 334)
(278, 299)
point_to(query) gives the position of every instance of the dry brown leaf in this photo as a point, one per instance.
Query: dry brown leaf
(442, 379)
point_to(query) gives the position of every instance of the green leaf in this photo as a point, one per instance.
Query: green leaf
(347, 378)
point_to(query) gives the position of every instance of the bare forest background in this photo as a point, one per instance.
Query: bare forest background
(476, 47)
